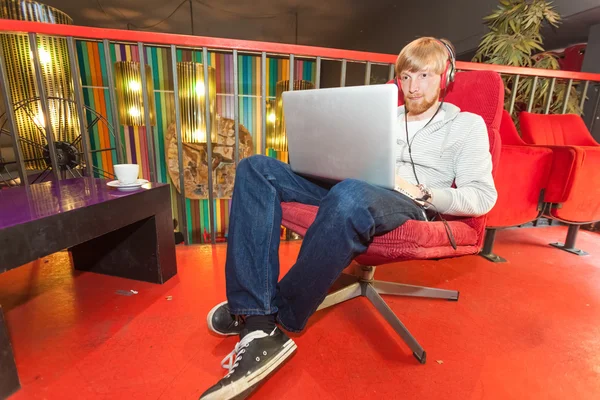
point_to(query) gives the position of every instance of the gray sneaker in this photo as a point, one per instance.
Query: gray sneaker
(221, 322)
(254, 359)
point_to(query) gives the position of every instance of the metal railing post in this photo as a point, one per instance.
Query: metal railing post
(147, 120)
(236, 107)
(211, 205)
(551, 90)
(343, 74)
(76, 74)
(318, 74)
(182, 205)
(263, 102)
(113, 101)
(532, 96)
(514, 95)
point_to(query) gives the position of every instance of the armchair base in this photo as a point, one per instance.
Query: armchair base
(569, 244)
(372, 290)
(488, 247)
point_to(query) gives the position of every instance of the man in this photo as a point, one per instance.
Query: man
(439, 145)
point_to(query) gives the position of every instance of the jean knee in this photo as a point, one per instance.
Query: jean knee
(350, 189)
(348, 197)
(247, 164)
(259, 162)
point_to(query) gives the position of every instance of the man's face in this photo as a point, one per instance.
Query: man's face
(421, 90)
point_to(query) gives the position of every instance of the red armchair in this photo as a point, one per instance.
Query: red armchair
(521, 180)
(574, 187)
(480, 92)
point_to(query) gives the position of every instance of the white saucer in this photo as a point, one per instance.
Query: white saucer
(127, 186)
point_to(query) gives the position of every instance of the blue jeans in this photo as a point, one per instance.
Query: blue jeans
(350, 214)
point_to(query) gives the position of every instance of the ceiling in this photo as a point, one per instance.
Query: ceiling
(319, 22)
(573, 29)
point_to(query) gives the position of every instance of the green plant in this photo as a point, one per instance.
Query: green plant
(514, 39)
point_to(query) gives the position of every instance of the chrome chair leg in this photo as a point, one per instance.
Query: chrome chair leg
(400, 289)
(339, 296)
(398, 326)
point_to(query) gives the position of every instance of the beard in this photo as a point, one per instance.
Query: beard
(419, 106)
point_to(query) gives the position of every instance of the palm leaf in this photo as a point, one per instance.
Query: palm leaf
(514, 38)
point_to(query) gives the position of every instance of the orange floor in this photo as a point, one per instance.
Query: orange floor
(528, 329)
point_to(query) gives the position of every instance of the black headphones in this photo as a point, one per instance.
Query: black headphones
(449, 71)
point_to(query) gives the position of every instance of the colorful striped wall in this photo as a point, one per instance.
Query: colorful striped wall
(134, 139)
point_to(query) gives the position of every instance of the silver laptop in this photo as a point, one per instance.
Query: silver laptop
(339, 133)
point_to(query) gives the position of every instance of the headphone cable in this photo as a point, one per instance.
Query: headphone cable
(409, 142)
(446, 225)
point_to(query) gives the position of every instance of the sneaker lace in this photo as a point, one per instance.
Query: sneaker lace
(232, 360)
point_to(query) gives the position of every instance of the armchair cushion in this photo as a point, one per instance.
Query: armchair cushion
(413, 240)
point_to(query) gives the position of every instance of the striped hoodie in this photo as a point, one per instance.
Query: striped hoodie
(453, 150)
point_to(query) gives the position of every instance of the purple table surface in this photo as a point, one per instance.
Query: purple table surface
(20, 205)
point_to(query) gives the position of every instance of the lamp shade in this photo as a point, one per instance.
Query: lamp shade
(130, 98)
(192, 102)
(271, 121)
(279, 138)
(54, 62)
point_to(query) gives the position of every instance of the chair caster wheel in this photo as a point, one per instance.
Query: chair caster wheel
(421, 359)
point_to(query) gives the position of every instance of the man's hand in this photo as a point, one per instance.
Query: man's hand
(409, 187)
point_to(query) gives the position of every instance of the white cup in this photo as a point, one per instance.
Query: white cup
(127, 173)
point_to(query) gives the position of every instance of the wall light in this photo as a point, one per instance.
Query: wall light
(192, 102)
(271, 121)
(130, 98)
